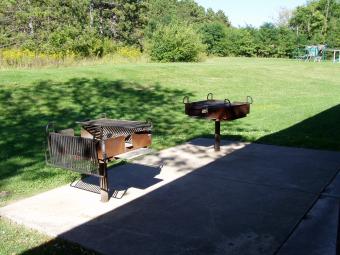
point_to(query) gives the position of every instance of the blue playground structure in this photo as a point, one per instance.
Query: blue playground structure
(315, 53)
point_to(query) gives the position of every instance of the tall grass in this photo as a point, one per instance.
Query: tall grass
(24, 58)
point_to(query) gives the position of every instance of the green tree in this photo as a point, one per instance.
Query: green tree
(317, 20)
(214, 36)
(175, 42)
(129, 21)
(240, 42)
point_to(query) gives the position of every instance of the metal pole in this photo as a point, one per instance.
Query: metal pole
(217, 135)
(104, 189)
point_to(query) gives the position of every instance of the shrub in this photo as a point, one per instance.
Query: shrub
(28, 58)
(175, 43)
(129, 52)
(109, 46)
(214, 36)
(240, 42)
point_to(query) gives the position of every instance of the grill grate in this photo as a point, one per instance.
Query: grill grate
(73, 153)
(103, 129)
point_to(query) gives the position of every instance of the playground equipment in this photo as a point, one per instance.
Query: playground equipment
(317, 53)
(314, 53)
(335, 53)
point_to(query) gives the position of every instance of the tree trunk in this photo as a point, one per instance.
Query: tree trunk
(30, 23)
(91, 14)
(325, 28)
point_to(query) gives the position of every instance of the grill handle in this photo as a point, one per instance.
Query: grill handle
(211, 95)
(103, 115)
(49, 128)
(185, 100)
(227, 101)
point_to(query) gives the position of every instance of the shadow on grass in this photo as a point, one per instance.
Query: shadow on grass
(27, 110)
(321, 131)
(60, 246)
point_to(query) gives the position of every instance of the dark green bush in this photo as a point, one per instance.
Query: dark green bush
(214, 36)
(175, 43)
(240, 42)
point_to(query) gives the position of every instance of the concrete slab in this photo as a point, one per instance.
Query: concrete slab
(333, 189)
(198, 215)
(317, 234)
(302, 169)
(246, 199)
(319, 231)
(59, 210)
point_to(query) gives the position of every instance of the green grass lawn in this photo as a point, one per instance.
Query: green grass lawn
(295, 104)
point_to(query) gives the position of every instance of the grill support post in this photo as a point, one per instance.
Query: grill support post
(104, 187)
(103, 183)
(217, 135)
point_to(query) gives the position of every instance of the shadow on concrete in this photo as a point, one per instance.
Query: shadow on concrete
(121, 178)
(248, 202)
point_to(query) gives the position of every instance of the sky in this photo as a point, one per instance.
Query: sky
(250, 12)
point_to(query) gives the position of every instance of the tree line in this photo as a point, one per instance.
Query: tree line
(167, 30)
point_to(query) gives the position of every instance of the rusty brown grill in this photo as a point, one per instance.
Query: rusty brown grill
(100, 141)
(217, 110)
(107, 128)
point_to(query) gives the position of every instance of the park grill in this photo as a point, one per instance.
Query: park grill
(100, 141)
(217, 110)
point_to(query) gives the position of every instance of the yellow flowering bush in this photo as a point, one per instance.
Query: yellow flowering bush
(28, 58)
(129, 52)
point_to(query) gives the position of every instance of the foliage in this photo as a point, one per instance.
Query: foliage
(27, 58)
(129, 21)
(84, 26)
(319, 21)
(129, 52)
(95, 28)
(161, 12)
(175, 43)
(214, 36)
(240, 42)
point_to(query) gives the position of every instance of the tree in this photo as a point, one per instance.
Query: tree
(214, 36)
(317, 20)
(130, 21)
(240, 42)
(219, 16)
(284, 15)
(175, 42)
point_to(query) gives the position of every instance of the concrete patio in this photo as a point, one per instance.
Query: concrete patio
(245, 199)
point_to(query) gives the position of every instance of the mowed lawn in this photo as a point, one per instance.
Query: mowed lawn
(295, 104)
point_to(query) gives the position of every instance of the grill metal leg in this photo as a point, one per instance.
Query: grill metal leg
(217, 135)
(104, 187)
